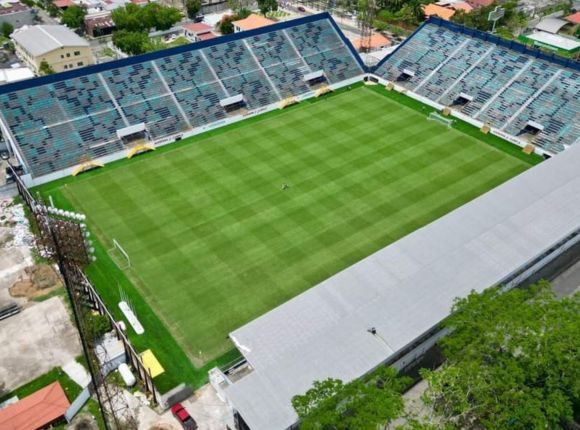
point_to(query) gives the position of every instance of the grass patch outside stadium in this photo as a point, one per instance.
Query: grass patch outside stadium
(215, 242)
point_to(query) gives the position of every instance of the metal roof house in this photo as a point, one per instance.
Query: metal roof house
(403, 291)
(551, 25)
(56, 45)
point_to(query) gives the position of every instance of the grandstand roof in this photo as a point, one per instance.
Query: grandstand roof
(252, 22)
(551, 25)
(440, 11)
(40, 39)
(403, 290)
(37, 410)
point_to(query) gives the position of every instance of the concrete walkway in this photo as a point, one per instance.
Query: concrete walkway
(35, 341)
(77, 373)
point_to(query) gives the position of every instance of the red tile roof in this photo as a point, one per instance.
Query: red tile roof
(206, 36)
(376, 41)
(63, 3)
(462, 5)
(574, 18)
(252, 22)
(197, 27)
(480, 3)
(37, 410)
(440, 11)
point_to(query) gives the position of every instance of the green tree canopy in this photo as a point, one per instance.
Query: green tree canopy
(7, 29)
(512, 361)
(193, 7)
(160, 17)
(226, 25)
(74, 17)
(129, 18)
(131, 42)
(45, 68)
(363, 404)
(133, 18)
(266, 6)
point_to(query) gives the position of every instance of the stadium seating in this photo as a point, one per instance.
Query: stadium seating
(322, 48)
(505, 87)
(57, 123)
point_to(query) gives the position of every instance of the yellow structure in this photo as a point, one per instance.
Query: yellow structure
(288, 102)
(151, 363)
(322, 90)
(485, 129)
(140, 148)
(61, 48)
(87, 165)
(446, 111)
(529, 149)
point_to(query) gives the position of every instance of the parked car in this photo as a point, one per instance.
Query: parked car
(179, 412)
(301, 9)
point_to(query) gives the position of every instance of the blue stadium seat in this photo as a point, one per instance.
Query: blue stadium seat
(508, 88)
(60, 123)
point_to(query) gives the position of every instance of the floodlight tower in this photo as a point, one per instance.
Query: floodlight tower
(495, 15)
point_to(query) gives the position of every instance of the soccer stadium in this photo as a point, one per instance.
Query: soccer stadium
(267, 198)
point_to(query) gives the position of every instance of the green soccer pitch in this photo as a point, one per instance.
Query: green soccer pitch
(214, 239)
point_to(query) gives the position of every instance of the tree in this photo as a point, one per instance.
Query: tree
(164, 17)
(193, 7)
(512, 361)
(239, 5)
(129, 18)
(97, 325)
(226, 25)
(362, 404)
(132, 43)
(45, 68)
(74, 17)
(133, 18)
(7, 29)
(53, 11)
(267, 6)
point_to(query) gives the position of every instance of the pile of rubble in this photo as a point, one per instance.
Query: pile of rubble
(36, 281)
(15, 225)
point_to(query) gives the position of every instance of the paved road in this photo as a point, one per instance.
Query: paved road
(46, 18)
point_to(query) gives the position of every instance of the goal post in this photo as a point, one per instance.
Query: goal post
(436, 116)
(119, 255)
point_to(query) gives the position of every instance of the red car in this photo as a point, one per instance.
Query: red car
(179, 412)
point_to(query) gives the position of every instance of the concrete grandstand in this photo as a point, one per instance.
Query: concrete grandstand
(523, 95)
(58, 121)
(54, 123)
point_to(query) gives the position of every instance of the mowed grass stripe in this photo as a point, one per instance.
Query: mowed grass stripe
(215, 242)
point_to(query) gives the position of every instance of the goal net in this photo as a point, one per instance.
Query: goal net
(119, 255)
(435, 116)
